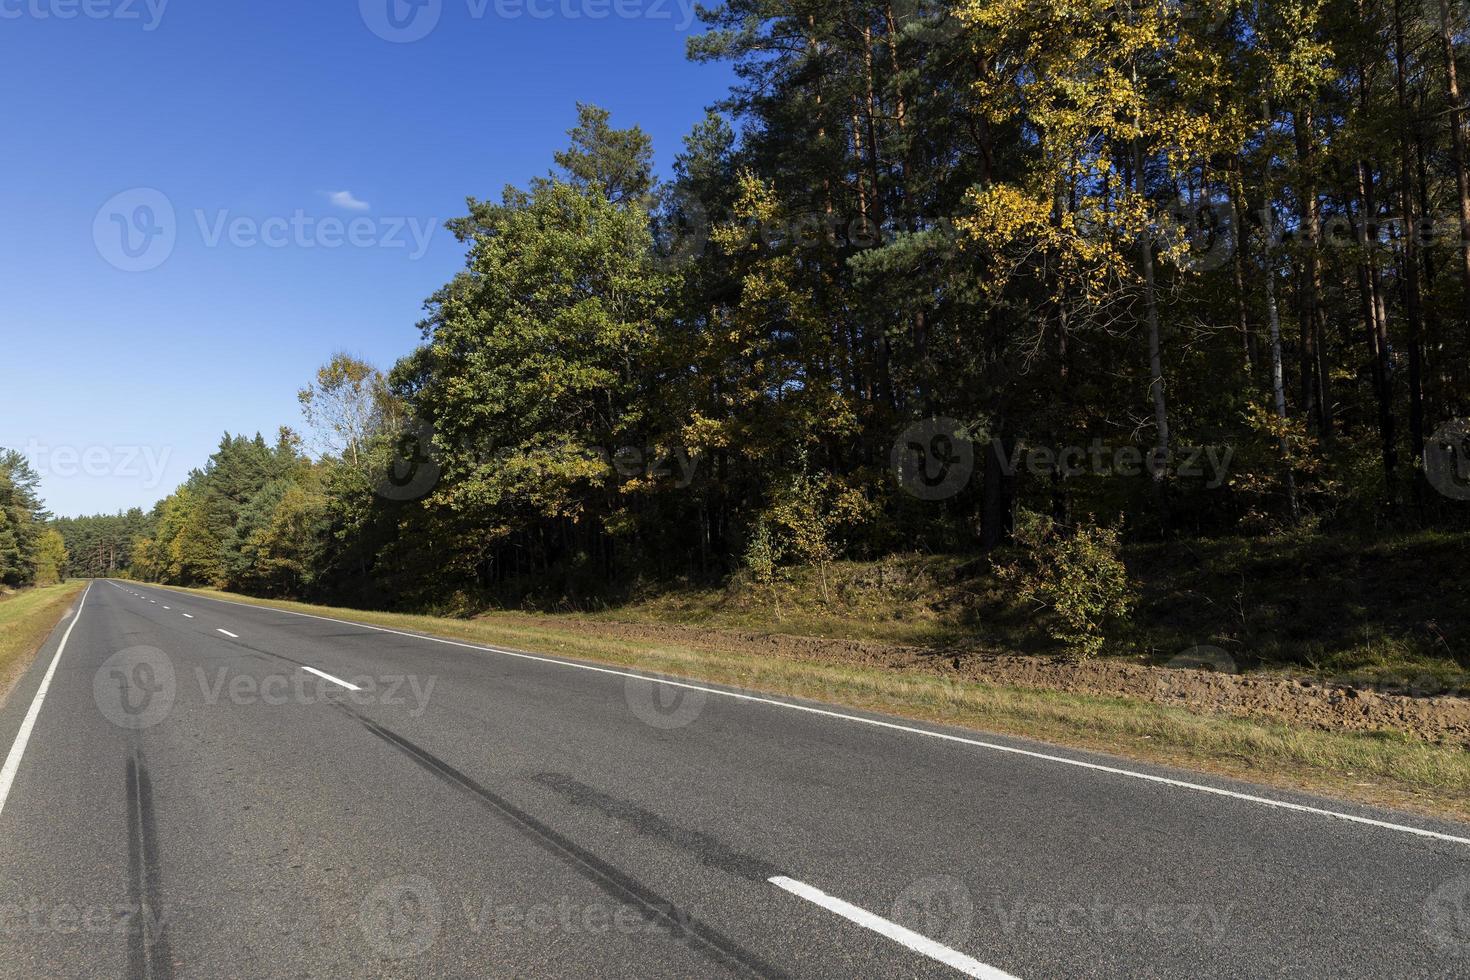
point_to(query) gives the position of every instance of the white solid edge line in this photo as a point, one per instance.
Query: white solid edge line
(233, 636)
(334, 680)
(892, 726)
(967, 965)
(18, 748)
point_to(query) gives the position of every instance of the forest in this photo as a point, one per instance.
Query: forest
(1052, 277)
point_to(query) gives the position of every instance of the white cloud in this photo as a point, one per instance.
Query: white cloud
(345, 201)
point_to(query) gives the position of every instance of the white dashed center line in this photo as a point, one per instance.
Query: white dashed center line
(905, 937)
(334, 680)
(233, 636)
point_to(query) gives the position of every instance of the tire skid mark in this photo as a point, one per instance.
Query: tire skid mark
(149, 957)
(699, 937)
(708, 850)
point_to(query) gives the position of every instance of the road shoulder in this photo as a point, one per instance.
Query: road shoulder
(27, 620)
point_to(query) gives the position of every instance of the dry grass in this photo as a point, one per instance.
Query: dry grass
(1370, 768)
(26, 619)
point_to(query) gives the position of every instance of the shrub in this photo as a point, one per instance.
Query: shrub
(762, 555)
(1077, 574)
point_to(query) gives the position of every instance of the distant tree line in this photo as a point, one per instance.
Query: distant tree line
(102, 545)
(912, 243)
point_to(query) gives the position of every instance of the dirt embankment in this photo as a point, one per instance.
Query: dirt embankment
(1328, 706)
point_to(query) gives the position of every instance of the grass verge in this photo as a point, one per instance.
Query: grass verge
(26, 619)
(1368, 610)
(1376, 768)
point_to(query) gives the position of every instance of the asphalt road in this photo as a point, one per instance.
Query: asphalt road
(197, 792)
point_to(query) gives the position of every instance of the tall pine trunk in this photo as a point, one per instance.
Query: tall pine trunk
(1413, 306)
(1316, 397)
(1155, 349)
(1457, 147)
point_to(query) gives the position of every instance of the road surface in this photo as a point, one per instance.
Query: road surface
(194, 787)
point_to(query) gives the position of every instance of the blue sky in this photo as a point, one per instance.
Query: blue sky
(309, 153)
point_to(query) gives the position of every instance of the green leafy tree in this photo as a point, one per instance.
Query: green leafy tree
(51, 558)
(534, 367)
(345, 405)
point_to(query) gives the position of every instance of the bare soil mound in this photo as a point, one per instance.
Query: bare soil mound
(1296, 701)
